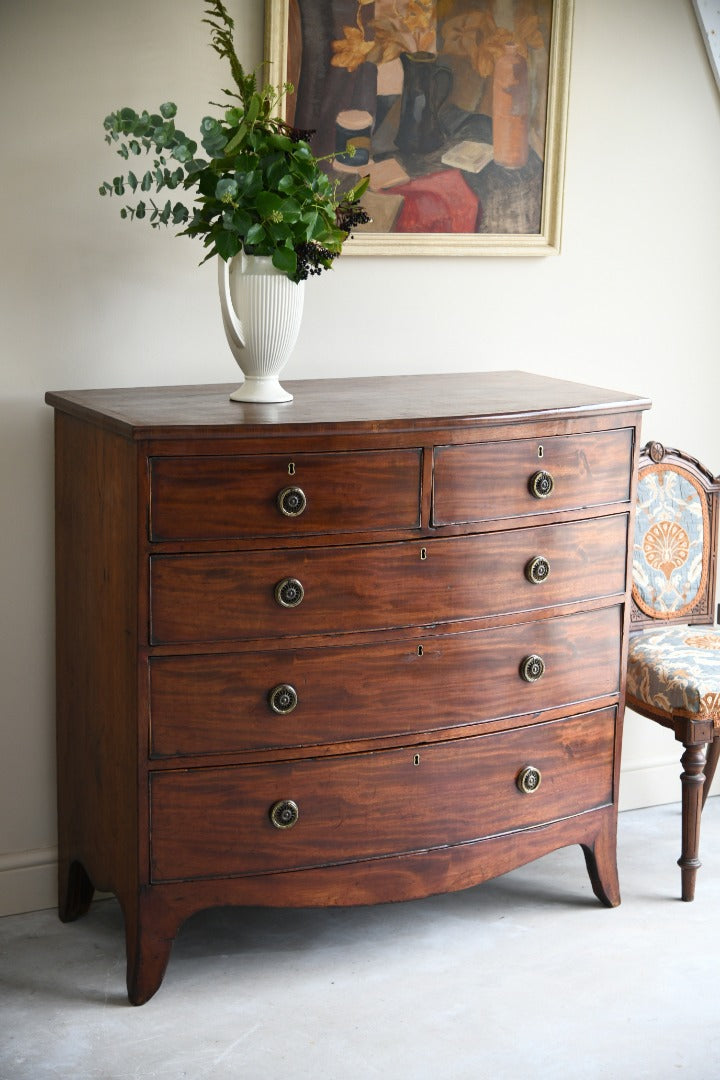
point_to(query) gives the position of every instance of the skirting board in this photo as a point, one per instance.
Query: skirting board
(28, 879)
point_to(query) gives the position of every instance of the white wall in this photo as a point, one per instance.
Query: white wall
(87, 300)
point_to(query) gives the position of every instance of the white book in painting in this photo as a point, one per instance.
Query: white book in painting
(469, 156)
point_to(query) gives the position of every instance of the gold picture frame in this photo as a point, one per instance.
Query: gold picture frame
(431, 183)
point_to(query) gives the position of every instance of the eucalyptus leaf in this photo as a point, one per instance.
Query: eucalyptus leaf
(226, 190)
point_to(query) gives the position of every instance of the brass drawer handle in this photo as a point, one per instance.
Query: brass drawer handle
(284, 814)
(529, 779)
(541, 484)
(532, 668)
(283, 698)
(537, 570)
(291, 502)
(289, 592)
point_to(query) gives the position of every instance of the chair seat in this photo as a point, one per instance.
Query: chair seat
(675, 670)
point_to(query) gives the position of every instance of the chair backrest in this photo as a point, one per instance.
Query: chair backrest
(675, 547)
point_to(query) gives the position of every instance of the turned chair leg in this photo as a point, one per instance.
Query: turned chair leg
(693, 782)
(711, 760)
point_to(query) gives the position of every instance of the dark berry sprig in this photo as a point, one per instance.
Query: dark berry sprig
(312, 259)
(297, 135)
(348, 215)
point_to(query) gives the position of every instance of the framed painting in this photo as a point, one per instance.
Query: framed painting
(456, 109)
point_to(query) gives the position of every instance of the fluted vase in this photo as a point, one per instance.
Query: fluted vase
(262, 311)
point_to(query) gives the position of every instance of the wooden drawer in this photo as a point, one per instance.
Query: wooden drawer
(486, 481)
(216, 498)
(222, 597)
(216, 822)
(214, 704)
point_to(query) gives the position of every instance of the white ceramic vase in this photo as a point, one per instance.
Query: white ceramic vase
(261, 311)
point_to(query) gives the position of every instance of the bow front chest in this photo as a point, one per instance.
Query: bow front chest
(364, 646)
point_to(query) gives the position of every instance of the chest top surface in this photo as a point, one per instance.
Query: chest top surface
(386, 403)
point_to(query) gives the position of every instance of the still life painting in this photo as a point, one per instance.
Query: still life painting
(454, 109)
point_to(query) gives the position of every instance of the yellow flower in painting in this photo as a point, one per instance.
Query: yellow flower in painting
(408, 28)
(389, 41)
(411, 27)
(478, 37)
(419, 16)
(419, 20)
(528, 33)
(352, 51)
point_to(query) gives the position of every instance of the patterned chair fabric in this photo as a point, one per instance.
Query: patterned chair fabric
(676, 670)
(670, 554)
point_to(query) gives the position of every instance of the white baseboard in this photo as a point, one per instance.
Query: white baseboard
(649, 785)
(654, 784)
(28, 881)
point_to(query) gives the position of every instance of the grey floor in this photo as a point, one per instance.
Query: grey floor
(523, 977)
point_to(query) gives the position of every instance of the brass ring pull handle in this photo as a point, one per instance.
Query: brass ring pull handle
(284, 814)
(291, 502)
(283, 698)
(541, 484)
(529, 780)
(289, 592)
(532, 668)
(537, 570)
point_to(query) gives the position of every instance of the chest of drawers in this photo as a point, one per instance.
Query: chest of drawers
(365, 646)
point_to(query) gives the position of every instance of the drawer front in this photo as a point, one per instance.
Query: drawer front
(216, 822)
(240, 595)
(486, 481)
(228, 703)
(216, 498)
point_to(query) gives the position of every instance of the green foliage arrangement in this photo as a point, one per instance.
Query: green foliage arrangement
(259, 189)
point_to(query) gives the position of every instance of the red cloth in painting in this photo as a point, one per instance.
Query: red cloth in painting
(438, 203)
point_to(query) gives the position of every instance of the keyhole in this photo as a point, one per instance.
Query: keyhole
(541, 451)
(423, 553)
(420, 650)
(416, 759)
(291, 468)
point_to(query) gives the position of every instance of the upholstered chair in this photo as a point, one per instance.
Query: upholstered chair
(674, 654)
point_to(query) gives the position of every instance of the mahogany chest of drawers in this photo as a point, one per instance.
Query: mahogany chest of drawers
(361, 647)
